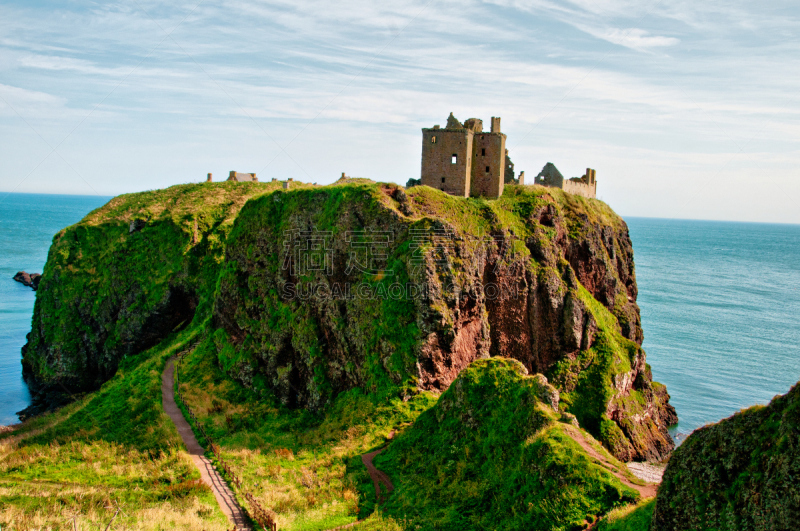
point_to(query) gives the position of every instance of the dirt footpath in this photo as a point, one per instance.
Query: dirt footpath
(225, 498)
(646, 491)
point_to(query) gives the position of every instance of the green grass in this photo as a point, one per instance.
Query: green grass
(632, 518)
(303, 465)
(114, 448)
(490, 455)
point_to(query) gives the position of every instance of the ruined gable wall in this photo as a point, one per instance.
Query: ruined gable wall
(437, 160)
(489, 150)
(580, 188)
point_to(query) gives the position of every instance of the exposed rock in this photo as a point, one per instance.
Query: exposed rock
(740, 474)
(31, 280)
(136, 225)
(402, 199)
(544, 391)
(647, 472)
(569, 418)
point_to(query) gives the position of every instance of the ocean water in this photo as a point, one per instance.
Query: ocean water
(720, 309)
(28, 223)
(720, 304)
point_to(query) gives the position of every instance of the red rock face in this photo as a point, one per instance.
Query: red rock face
(506, 295)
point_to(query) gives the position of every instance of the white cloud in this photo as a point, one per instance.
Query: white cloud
(637, 39)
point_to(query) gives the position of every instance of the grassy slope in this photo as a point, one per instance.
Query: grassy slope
(306, 467)
(490, 455)
(111, 448)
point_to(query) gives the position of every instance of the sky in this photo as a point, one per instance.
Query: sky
(685, 109)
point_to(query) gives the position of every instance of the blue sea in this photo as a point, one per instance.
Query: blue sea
(721, 312)
(28, 223)
(720, 304)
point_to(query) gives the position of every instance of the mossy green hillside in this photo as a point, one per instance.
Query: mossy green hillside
(738, 474)
(308, 334)
(108, 291)
(492, 455)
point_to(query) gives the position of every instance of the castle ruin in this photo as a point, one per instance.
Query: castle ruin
(585, 186)
(463, 160)
(242, 177)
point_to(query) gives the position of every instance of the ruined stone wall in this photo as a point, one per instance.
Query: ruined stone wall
(438, 170)
(241, 177)
(580, 188)
(550, 176)
(489, 152)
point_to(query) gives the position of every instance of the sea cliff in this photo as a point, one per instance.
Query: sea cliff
(538, 275)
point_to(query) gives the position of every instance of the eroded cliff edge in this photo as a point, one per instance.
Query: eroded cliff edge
(316, 290)
(541, 276)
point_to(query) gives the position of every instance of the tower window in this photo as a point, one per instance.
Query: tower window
(442, 180)
(487, 169)
(483, 152)
(454, 159)
(433, 139)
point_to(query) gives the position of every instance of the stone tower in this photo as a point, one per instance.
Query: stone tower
(446, 157)
(462, 159)
(489, 168)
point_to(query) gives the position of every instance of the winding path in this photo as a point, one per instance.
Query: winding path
(377, 476)
(212, 478)
(645, 491)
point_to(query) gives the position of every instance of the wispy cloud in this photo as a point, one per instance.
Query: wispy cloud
(637, 39)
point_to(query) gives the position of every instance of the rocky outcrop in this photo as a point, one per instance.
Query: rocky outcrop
(739, 474)
(31, 280)
(538, 276)
(115, 285)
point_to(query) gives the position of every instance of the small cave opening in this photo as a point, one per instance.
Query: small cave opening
(173, 314)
